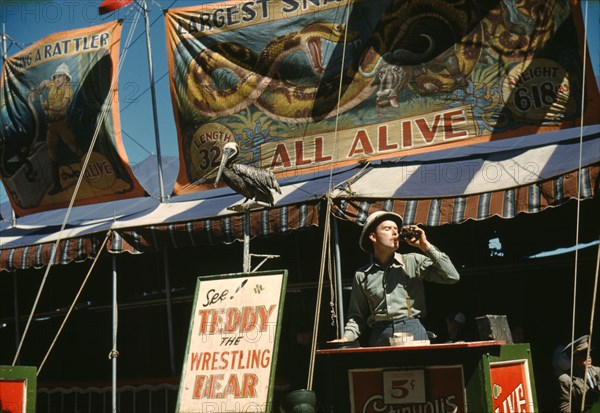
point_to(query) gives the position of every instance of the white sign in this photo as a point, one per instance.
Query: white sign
(232, 344)
(404, 386)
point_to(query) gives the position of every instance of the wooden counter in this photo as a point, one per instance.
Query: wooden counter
(479, 376)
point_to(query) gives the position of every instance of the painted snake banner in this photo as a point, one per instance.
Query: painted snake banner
(301, 85)
(56, 95)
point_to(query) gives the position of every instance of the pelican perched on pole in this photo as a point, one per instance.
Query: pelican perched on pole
(252, 182)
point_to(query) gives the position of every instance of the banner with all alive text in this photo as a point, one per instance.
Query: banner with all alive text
(304, 85)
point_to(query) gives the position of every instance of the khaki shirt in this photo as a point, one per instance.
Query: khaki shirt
(395, 292)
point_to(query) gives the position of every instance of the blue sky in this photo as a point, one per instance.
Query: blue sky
(27, 21)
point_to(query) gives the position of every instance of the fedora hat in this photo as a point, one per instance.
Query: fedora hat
(372, 222)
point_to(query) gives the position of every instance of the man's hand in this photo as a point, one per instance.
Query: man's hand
(339, 340)
(419, 241)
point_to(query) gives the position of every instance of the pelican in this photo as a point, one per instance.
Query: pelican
(250, 181)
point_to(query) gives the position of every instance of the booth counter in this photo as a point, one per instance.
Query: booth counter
(481, 376)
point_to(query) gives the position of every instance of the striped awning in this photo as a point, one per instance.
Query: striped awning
(226, 229)
(136, 226)
(39, 255)
(500, 178)
(506, 203)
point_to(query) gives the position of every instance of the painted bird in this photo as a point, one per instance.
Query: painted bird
(250, 181)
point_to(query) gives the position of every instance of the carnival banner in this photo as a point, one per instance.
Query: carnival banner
(303, 85)
(55, 96)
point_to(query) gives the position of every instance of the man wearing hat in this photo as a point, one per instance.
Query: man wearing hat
(455, 327)
(60, 95)
(388, 293)
(585, 379)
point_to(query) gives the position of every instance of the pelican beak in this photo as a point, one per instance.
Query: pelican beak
(224, 159)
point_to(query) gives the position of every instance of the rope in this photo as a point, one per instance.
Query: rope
(326, 238)
(337, 111)
(327, 233)
(593, 311)
(101, 118)
(332, 286)
(578, 213)
(72, 305)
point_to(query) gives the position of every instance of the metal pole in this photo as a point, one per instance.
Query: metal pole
(114, 353)
(154, 111)
(169, 311)
(16, 302)
(247, 263)
(339, 302)
(13, 217)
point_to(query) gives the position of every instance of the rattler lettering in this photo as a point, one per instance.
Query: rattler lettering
(74, 45)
